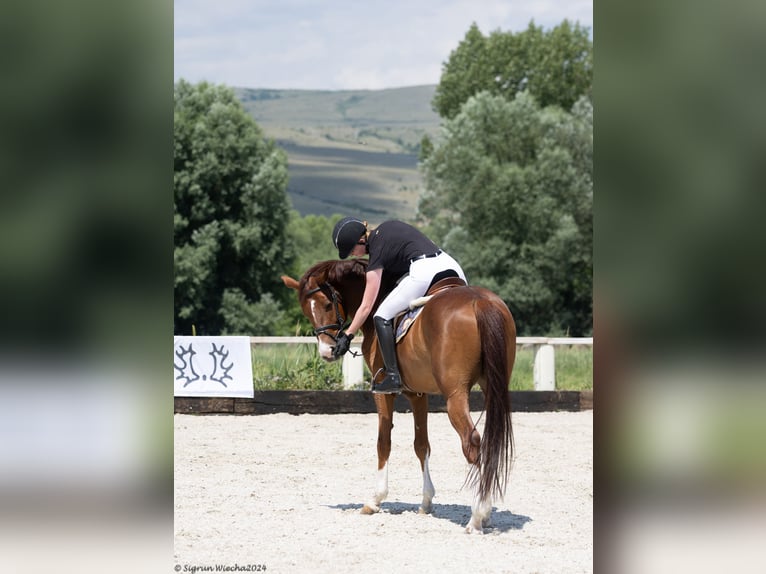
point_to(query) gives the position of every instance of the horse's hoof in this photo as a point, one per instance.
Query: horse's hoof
(425, 510)
(470, 529)
(367, 509)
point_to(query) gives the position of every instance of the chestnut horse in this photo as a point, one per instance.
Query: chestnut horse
(464, 336)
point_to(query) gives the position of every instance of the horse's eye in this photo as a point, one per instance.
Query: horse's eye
(328, 307)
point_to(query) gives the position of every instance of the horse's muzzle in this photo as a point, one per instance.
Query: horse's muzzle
(326, 351)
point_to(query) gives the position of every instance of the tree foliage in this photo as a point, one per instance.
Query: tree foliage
(312, 237)
(230, 216)
(509, 194)
(554, 66)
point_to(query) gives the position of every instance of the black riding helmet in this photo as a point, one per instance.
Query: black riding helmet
(346, 234)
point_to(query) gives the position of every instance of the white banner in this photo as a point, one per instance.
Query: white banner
(212, 367)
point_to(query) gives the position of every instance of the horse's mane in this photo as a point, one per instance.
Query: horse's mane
(334, 271)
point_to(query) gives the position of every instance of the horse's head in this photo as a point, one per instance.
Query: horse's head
(328, 293)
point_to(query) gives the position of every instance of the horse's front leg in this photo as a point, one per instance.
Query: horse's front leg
(422, 448)
(385, 407)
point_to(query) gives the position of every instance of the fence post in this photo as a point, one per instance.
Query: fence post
(545, 368)
(353, 367)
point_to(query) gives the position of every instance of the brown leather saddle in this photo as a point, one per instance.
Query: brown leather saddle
(404, 321)
(445, 283)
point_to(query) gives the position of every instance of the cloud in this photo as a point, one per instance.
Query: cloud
(341, 45)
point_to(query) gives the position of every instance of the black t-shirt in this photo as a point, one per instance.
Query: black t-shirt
(392, 244)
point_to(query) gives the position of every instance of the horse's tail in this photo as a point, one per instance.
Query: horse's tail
(496, 451)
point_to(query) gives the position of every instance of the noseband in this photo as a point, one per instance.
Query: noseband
(340, 321)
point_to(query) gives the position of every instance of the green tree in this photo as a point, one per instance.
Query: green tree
(312, 237)
(231, 215)
(555, 66)
(426, 147)
(509, 194)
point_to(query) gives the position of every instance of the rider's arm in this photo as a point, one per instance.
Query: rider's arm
(371, 289)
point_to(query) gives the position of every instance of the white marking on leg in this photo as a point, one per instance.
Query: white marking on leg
(381, 489)
(428, 488)
(480, 513)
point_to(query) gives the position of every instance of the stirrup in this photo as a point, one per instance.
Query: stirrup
(390, 385)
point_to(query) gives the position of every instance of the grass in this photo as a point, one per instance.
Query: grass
(298, 367)
(410, 106)
(373, 185)
(349, 151)
(574, 369)
(293, 367)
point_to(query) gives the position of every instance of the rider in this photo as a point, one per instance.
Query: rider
(407, 254)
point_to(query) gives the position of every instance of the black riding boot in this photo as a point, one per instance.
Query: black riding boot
(392, 383)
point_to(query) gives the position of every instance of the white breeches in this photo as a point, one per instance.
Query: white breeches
(416, 283)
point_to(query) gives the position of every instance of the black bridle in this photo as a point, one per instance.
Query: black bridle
(340, 323)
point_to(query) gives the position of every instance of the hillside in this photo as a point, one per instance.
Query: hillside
(350, 152)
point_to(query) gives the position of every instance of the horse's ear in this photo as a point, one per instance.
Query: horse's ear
(290, 282)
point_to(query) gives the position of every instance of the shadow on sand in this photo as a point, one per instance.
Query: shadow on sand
(501, 521)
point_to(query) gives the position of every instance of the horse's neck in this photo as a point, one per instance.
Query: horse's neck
(351, 290)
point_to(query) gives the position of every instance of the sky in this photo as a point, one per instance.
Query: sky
(342, 44)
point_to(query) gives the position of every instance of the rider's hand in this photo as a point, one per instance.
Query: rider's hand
(342, 344)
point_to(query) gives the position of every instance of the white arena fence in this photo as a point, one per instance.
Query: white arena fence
(544, 351)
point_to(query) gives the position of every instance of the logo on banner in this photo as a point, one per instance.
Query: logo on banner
(218, 372)
(212, 367)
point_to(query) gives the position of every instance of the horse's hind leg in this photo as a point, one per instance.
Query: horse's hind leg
(423, 448)
(481, 511)
(385, 407)
(460, 416)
